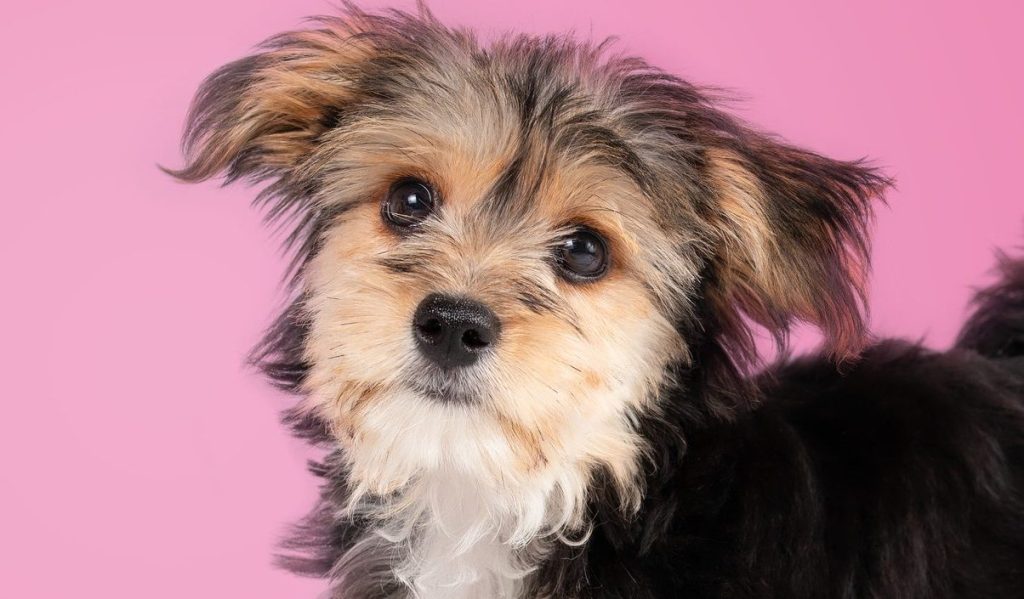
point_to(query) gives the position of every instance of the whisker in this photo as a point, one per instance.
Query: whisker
(602, 209)
(564, 363)
(533, 376)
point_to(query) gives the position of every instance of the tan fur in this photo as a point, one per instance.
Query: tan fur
(761, 273)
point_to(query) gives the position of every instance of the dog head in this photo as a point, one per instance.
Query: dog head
(505, 253)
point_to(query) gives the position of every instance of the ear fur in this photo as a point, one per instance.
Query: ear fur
(792, 239)
(259, 116)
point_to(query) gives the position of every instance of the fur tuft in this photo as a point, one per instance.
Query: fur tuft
(996, 328)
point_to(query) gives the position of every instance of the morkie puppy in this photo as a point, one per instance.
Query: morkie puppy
(525, 280)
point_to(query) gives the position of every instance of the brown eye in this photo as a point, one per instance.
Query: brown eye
(408, 203)
(582, 256)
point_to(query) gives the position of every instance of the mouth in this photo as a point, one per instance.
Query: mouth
(445, 386)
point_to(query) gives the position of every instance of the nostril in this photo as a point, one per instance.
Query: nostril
(430, 329)
(473, 340)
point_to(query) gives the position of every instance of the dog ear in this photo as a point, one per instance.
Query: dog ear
(260, 116)
(791, 239)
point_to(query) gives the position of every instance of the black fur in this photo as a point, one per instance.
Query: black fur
(997, 327)
(901, 478)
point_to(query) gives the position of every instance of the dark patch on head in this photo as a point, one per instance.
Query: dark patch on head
(519, 183)
(504, 189)
(332, 118)
(581, 135)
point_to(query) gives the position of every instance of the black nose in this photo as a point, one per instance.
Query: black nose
(454, 331)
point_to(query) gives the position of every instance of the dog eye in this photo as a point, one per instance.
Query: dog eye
(582, 256)
(408, 203)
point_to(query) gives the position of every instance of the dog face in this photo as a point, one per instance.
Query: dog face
(481, 302)
(506, 254)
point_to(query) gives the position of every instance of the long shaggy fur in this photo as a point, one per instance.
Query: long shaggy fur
(616, 443)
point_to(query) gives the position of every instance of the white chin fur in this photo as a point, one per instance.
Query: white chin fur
(461, 523)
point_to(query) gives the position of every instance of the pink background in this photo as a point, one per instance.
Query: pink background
(138, 458)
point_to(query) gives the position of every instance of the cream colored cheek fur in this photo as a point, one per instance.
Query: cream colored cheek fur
(448, 485)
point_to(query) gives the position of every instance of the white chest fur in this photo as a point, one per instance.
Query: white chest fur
(457, 539)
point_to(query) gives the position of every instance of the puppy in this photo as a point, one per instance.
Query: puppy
(525, 281)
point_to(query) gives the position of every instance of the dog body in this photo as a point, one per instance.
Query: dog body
(525, 281)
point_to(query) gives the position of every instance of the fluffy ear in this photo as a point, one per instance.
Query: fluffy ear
(792, 239)
(259, 116)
